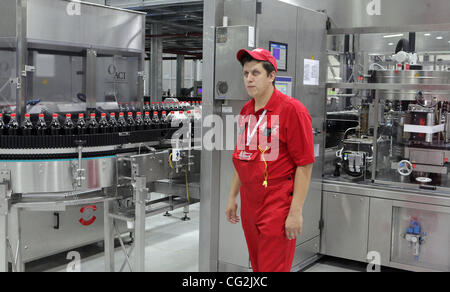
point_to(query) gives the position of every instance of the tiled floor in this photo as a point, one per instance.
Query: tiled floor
(172, 246)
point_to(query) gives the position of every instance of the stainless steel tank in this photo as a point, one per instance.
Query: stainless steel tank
(410, 77)
(59, 175)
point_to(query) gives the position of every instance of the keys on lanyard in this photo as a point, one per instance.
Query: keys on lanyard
(250, 136)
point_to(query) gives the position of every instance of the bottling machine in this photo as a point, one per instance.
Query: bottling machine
(71, 185)
(386, 174)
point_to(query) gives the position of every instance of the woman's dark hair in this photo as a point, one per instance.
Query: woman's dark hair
(266, 65)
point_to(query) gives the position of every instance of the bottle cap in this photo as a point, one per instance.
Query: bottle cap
(54, 115)
(147, 113)
(81, 115)
(27, 115)
(121, 114)
(181, 112)
(130, 114)
(103, 115)
(68, 115)
(137, 114)
(172, 112)
(189, 112)
(112, 114)
(93, 115)
(155, 113)
(41, 115)
(13, 115)
(164, 113)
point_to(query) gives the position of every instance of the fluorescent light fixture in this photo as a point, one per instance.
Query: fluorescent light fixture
(391, 44)
(427, 34)
(393, 36)
(439, 38)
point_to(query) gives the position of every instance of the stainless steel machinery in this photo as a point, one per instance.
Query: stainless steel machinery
(300, 37)
(385, 193)
(61, 191)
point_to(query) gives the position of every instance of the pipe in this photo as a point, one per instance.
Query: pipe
(177, 35)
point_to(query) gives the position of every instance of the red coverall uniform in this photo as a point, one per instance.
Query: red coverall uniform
(265, 208)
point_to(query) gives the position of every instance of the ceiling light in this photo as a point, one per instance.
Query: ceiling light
(427, 34)
(393, 36)
(439, 38)
(391, 44)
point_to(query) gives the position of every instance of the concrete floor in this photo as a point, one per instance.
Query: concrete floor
(172, 246)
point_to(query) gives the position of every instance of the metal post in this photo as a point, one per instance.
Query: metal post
(375, 134)
(180, 74)
(21, 58)
(90, 79)
(140, 197)
(156, 64)
(109, 236)
(4, 208)
(210, 173)
(141, 70)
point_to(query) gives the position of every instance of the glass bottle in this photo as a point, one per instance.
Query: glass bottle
(92, 125)
(147, 121)
(81, 125)
(55, 126)
(41, 126)
(122, 124)
(2, 125)
(103, 124)
(113, 125)
(69, 126)
(130, 122)
(27, 126)
(139, 122)
(155, 120)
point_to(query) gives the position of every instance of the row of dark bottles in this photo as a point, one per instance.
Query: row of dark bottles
(160, 106)
(111, 124)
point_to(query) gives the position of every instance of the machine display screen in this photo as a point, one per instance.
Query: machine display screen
(279, 51)
(284, 85)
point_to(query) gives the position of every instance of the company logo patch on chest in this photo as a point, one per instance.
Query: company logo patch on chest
(245, 155)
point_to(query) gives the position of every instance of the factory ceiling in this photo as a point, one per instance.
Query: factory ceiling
(181, 27)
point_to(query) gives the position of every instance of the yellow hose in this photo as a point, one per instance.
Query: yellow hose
(266, 172)
(187, 186)
(170, 161)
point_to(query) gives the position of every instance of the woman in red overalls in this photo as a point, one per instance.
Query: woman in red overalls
(273, 161)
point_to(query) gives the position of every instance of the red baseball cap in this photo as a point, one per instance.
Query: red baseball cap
(258, 54)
